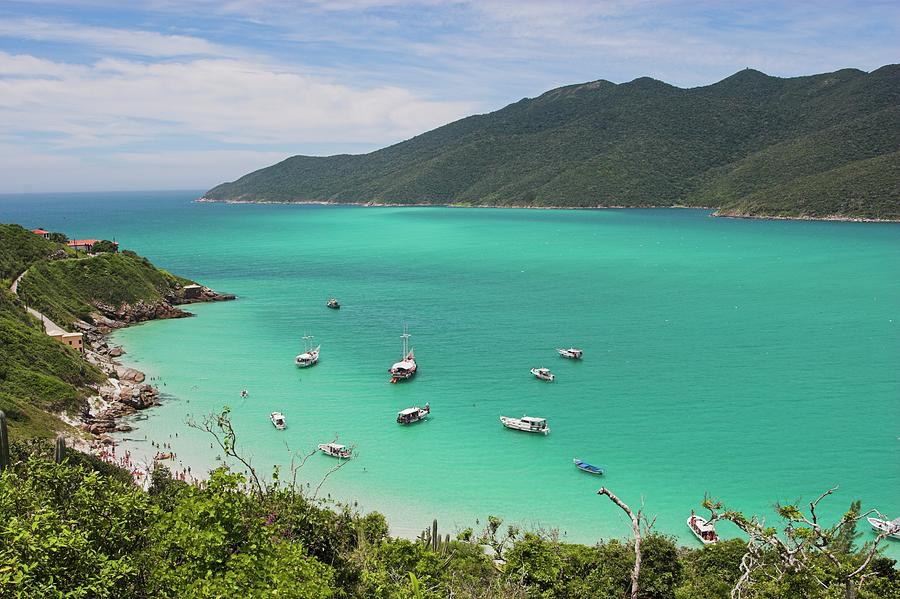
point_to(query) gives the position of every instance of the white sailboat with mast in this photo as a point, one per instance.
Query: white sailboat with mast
(310, 355)
(405, 368)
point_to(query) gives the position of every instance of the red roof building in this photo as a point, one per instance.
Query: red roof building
(42, 233)
(85, 244)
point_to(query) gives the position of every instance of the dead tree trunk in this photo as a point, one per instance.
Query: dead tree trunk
(636, 531)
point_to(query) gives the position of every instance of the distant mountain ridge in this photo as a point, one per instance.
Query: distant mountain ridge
(820, 146)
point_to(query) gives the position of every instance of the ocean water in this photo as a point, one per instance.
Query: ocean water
(754, 361)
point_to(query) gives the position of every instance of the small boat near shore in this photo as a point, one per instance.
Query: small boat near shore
(336, 451)
(310, 355)
(544, 374)
(405, 368)
(278, 420)
(571, 353)
(891, 527)
(414, 414)
(589, 468)
(333, 304)
(702, 529)
(528, 424)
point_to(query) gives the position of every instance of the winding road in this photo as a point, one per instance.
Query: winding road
(50, 327)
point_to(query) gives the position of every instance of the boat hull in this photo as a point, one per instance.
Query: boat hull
(882, 526)
(589, 468)
(517, 425)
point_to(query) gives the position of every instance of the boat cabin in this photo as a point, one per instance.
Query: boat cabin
(278, 420)
(536, 424)
(410, 415)
(335, 450)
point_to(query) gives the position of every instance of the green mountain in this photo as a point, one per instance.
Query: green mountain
(751, 144)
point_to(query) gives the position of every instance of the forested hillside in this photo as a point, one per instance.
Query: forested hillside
(750, 144)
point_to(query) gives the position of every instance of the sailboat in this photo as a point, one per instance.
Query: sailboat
(310, 354)
(406, 367)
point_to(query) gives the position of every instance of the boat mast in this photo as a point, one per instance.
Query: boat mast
(307, 342)
(405, 336)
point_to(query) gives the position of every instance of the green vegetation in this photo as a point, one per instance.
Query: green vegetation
(66, 290)
(19, 249)
(39, 376)
(804, 146)
(79, 528)
(104, 246)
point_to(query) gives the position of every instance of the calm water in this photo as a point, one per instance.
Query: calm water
(755, 361)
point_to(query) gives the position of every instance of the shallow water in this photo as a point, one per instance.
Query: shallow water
(752, 360)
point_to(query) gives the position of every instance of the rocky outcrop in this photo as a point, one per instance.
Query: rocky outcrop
(125, 391)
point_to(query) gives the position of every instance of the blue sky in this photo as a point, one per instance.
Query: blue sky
(169, 94)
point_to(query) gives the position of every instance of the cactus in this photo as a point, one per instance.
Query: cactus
(60, 453)
(4, 443)
(435, 538)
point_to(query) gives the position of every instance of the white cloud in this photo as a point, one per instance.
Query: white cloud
(116, 101)
(128, 41)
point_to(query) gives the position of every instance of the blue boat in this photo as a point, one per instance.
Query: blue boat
(589, 468)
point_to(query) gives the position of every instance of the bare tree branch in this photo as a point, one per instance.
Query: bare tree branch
(635, 530)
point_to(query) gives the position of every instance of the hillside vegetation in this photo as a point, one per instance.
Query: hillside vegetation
(67, 290)
(806, 146)
(221, 540)
(39, 376)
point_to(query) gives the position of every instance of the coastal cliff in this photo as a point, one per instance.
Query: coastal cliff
(824, 146)
(47, 387)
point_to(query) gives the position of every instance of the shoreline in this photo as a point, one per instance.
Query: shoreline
(714, 214)
(126, 390)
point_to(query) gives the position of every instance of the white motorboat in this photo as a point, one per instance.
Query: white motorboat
(336, 451)
(702, 529)
(544, 374)
(415, 414)
(333, 304)
(571, 353)
(892, 527)
(310, 355)
(405, 368)
(529, 424)
(278, 420)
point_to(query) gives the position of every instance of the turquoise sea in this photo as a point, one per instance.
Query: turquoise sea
(755, 361)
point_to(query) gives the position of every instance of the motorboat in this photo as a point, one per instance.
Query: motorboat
(571, 353)
(310, 355)
(529, 424)
(278, 420)
(336, 451)
(702, 529)
(544, 374)
(415, 414)
(892, 527)
(333, 304)
(244, 394)
(406, 367)
(589, 468)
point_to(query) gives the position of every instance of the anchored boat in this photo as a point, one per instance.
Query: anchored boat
(544, 374)
(702, 529)
(333, 304)
(405, 368)
(278, 420)
(529, 424)
(336, 451)
(415, 414)
(589, 468)
(571, 353)
(892, 527)
(310, 355)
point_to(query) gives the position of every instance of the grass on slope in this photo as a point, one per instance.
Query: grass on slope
(38, 375)
(19, 249)
(65, 290)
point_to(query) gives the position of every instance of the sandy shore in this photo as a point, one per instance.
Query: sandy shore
(717, 214)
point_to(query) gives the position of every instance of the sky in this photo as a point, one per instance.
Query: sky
(184, 94)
